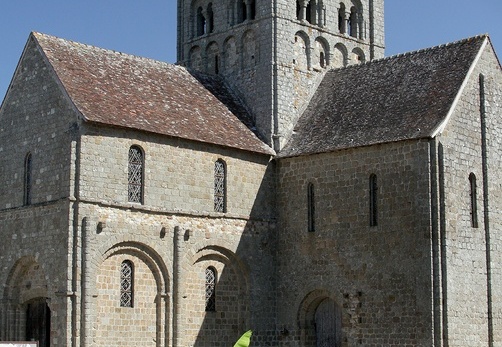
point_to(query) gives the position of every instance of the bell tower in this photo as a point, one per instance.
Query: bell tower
(274, 53)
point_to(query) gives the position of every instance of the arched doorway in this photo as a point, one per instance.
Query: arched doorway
(327, 324)
(320, 320)
(25, 304)
(38, 322)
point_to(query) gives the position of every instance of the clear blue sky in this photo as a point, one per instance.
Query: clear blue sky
(148, 27)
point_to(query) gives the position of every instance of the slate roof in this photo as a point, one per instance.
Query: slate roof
(397, 98)
(122, 90)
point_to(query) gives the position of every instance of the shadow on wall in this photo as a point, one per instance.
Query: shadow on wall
(239, 287)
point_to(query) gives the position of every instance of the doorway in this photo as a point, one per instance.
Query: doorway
(327, 324)
(38, 322)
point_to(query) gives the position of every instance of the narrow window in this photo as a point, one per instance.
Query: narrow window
(310, 207)
(210, 18)
(474, 201)
(27, 179)
(341, 19)
(252, 10)
(313, 10)
(216, 65)
(220, 182)
(241, 11)
(298, 10)
(321, 60)
(135, 175)
(373, 200)
(210, 289)
(201, 22)
(353, 22)
(308, 12)
(126, 284)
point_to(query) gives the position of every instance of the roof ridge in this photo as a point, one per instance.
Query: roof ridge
(448, 44)
(410, 53)
(97, 48)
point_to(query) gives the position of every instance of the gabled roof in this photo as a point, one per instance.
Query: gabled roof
(117, 89)
(398, 98)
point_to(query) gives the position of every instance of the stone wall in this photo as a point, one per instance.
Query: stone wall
(67, 245)
(34, 264)
(470, 279)
(35, 118)
(171, 253)
(178, 174)
(490, 68)
(378, 276)
(172, 238)
(140, 324)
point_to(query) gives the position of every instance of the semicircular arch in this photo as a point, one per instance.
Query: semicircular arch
(26, 280)
(225, 255)
(322, 52)
(340, 54)
(301, 53)
(358, 56)
(249, 49)
(230, 59)
(231, 283)
(319, 319)
(148, 254)
(195, 58)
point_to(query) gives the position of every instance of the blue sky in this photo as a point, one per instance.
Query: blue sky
(148, 27)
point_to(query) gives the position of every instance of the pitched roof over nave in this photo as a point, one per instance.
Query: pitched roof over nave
(122, 90)
(408, 96)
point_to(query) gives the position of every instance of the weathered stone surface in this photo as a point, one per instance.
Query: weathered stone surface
(410, 259)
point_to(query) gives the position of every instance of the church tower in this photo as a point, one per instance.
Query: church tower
(274, 53)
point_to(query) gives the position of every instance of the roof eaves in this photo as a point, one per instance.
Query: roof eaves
(439, 129)
(343, 148)
(494, 51)
(265, 150)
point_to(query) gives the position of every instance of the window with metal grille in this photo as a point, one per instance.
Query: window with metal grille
(373, 200)
(27, 179)
(310, 207)
(135, 174)
(474, 201)
(220, 182)
(126, 284)
(210, 289)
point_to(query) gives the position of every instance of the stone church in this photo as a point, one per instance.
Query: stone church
(283, 176)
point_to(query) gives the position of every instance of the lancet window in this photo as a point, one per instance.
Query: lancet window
(28, 169)
(373, 192)
(135, 174)
(220, 182)
(210, 289)
(126, 284)
(474, 200)
(310, 208)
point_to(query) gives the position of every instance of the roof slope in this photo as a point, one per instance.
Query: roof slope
(122, 90)
(402, 97)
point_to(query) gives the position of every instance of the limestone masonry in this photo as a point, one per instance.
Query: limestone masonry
(283, 177)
